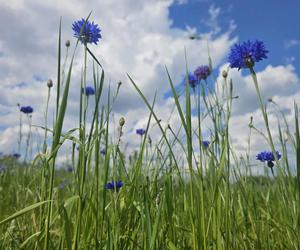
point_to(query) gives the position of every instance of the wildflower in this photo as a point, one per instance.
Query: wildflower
(86, 31)
(16, 155)
(103, 151)
(88, 91)
(205, 144)
(192, 79)
(64, 183)
(70, 168)
(268, 156)
(114, 186)
(140, 131)
(26, 109)
(202, 72)
(245, 55)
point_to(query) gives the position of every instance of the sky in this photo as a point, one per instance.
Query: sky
(141, 38)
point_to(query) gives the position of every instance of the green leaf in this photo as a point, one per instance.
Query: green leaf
(23, 211)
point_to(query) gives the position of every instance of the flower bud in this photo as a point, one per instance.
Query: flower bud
(224, 73)
(49, 83)
(68, 43)
(121, 121)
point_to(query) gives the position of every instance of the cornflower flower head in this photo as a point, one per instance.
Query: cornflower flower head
(86, 31)
(192, 79)
(202, 72)
(64, 183)
(244, 55)
(206, 143)
(268, 156)
(88, 91)
(70, 168)
(140, 131)
(16, 155)
(26, 109)
(114, 185)
(103, 151)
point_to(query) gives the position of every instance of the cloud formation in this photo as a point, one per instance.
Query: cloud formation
(139, 39)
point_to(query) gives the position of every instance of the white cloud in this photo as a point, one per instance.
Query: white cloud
(212, 21)
(291, 43)
(138, 38)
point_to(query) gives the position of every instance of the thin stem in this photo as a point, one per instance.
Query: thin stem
(264, 113)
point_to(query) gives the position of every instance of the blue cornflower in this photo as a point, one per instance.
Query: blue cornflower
(268, 156)
(202, 72)
(26, 109)
(64, 183)
(140, 131)
(206, 143)
(112, 185)
(103, 151)
(16, 155)
(192, 79)
(70, 168)
(89, 34)
(244, 55)
(88, 91)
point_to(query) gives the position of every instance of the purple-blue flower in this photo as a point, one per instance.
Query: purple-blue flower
(103, 151)
(26, 109)
(140, 131)
(16, 155)
(89, 34)
(114, 185)
(88, 91)
(244, 55)
(202, 72)
(70, 168)
(268, 156)
(206, 143)
(192, 79)
(64, 183)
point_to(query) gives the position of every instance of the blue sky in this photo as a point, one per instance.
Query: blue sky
(274, 22)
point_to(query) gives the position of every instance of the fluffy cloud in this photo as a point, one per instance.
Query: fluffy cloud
(138, 38)
(291, 43)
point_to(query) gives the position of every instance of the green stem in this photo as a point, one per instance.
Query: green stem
(264, 113)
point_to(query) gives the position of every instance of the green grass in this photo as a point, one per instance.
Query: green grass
(196, 199)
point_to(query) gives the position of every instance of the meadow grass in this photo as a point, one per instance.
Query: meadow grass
(204, 197)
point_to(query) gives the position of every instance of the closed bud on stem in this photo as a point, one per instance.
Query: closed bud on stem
(224, 73)
(121, 121)
(68, 43)
(50, 83)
